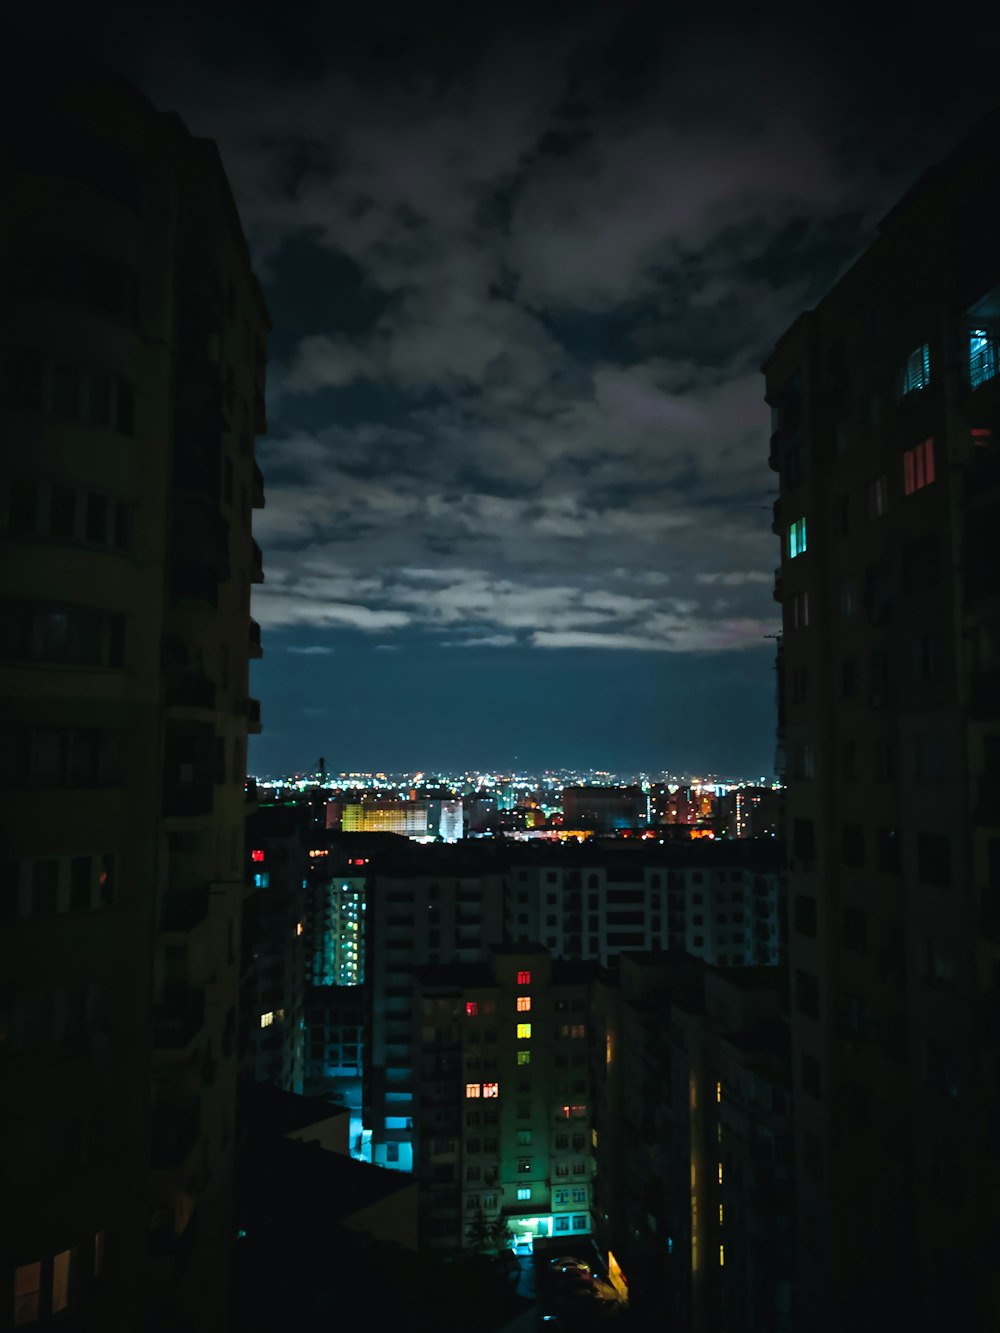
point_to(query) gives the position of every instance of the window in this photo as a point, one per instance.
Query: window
(934, 859)
(984, 357)
(797, 538)
(523, 1004)
(918, 467)
(847, 600)
(876, 495)
(855, 930)
(491, 1089)
(562, 1224)
(524, 978)
(523, 1138)
(524, 1166)
(805, 760)
(916, 372)
(810, 1074)
(579, 1223)
(806, 994)
(804, 839)
(523, 1192)
(887, 850)
(853, 844)
(473, 1090)
(805, 915)
(27, 1293)
(580, 1196)
(266, 1020)
(523, 1031)
(471, 1008)
(524, 1057)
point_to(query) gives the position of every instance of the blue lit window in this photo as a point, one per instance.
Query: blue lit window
(262, 879)
(984, 357)
(916, 370)
(797, 538)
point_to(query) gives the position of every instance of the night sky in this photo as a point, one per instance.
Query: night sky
(522, 273)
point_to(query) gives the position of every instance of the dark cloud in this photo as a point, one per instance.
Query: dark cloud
(523, 271)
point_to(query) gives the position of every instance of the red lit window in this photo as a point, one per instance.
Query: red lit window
(491, 1089)
(471, 1008)
(982, 438)
(257, 854)
(918, 467)
(524, 978)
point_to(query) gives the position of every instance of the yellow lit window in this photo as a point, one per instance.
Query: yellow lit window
(60, 1280)
(491, 1089)
(524, 1057)
(720, 1173)
(718, 1092)
(720, 1214)
(523, 1031)
(472, 1090)
(299, 928)
(722, 1255)
(593, 1137)
(267, 1019)
(523, 1003)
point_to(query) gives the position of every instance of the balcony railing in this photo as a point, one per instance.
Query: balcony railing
(257, 564)
(257, 488)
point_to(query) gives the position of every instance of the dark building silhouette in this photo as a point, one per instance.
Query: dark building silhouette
(132, 340)
(605, 809)
(886, 421)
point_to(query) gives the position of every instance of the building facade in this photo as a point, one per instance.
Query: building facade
(886, 418)
(132, 335)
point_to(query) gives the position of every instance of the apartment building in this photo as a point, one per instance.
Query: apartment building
(132, 337)
(501, 1105)
(886, 437)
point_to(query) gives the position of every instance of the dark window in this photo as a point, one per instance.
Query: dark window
(66, 390)
(44, 887)
(121, 526)
(855, 930)
(849, 678)
(62, 511)
(99, 403)
(810, 1074)
(80, 880)
(806, 994)
(126, 408)
(813, 1154)
(849, 760)
(887, 850)
(22, 506)
(805, 915)
(227, 479)
(25, 392)
(97, 519)
(934, 859)
(853, 844)
(921, 563)
(804, 839)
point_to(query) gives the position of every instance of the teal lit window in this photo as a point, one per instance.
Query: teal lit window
(797, 538)
(984, 357)
(916, 370)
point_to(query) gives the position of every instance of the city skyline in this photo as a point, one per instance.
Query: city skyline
(522, 276)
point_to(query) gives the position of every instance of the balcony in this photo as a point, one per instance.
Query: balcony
(774, 452)
(776, 517)
(178, 1019)
(257, 488)
(183, 911)
(250, 708)
(778, 586)
(257, 564)
(189, 691)
(255, 645)
(259, 413)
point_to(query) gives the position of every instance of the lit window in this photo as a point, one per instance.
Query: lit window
(27, 1292)
(471, 1008)
(718, 1092)
(98, 1253)
(578, 1112)
(257, 854)
(60, 1280)
(797, 538)
(491, 1089)
(524, 978)
(267, 1019)
(299, 928)
(523, 1031)
(593, 1137)
(916, 372)
(524, 1057)
(720, 1215)
(722, 1255)
(984, 357)
(524, 1165)
(918, 467)
(473, 1090)
(523, 1004)
(720, 1173)
(524, 1192)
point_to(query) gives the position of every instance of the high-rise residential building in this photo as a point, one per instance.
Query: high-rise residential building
(605, 809)
(133, 336)
(722, 902)
(501, 1106)
(886, 436)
